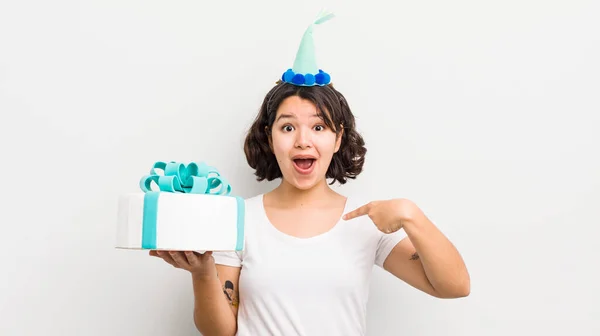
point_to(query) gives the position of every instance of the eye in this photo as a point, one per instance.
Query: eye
(319, 128)
(287, 128)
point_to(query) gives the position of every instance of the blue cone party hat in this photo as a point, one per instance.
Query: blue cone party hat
(305, 71)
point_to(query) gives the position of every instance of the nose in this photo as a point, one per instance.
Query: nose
(303, 139)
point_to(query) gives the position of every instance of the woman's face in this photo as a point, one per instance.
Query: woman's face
(302, 143)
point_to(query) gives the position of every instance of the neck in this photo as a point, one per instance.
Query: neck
(288, 194)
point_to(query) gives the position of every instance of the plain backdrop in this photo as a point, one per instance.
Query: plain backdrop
(485, 113)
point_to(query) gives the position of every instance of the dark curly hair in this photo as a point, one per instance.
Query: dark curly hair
(332, 107)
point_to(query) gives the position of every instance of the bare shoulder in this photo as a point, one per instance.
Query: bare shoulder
(229, 277)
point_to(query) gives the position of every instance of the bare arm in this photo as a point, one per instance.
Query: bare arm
(215, 295)
(229, 278)
(428, 261)
(215, 302)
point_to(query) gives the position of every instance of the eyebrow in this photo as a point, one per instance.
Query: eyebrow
(292, 116)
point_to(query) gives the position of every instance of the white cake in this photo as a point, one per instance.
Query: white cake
(168, 220)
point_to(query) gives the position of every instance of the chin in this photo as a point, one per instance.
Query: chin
(304, 183)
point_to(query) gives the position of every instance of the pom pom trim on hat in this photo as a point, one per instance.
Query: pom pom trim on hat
(320, 79)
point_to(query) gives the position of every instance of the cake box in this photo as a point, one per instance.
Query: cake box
(181, 207)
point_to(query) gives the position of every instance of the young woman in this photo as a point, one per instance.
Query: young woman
(309, 251)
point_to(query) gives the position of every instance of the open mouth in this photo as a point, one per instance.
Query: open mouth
(304, 164)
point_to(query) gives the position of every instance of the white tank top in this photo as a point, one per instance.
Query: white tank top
(306, 286)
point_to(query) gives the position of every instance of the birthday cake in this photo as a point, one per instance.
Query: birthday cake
(190, 209)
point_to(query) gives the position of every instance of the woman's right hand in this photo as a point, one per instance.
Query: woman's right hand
(199, 264)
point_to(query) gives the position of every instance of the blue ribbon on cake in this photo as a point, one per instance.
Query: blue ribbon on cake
(176, 177)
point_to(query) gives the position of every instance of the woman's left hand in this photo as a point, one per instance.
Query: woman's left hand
(389, 215)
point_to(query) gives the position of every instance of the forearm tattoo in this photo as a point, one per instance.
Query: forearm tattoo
(230, 293)
(414, 256)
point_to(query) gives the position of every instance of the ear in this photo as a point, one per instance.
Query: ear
(338, 140)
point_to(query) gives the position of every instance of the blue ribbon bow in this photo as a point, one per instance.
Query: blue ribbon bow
(195, 178)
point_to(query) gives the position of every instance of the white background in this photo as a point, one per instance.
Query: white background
(485, 113)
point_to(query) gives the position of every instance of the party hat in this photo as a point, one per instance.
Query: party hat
(305, 71)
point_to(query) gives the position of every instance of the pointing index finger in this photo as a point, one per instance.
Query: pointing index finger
(361, 211)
